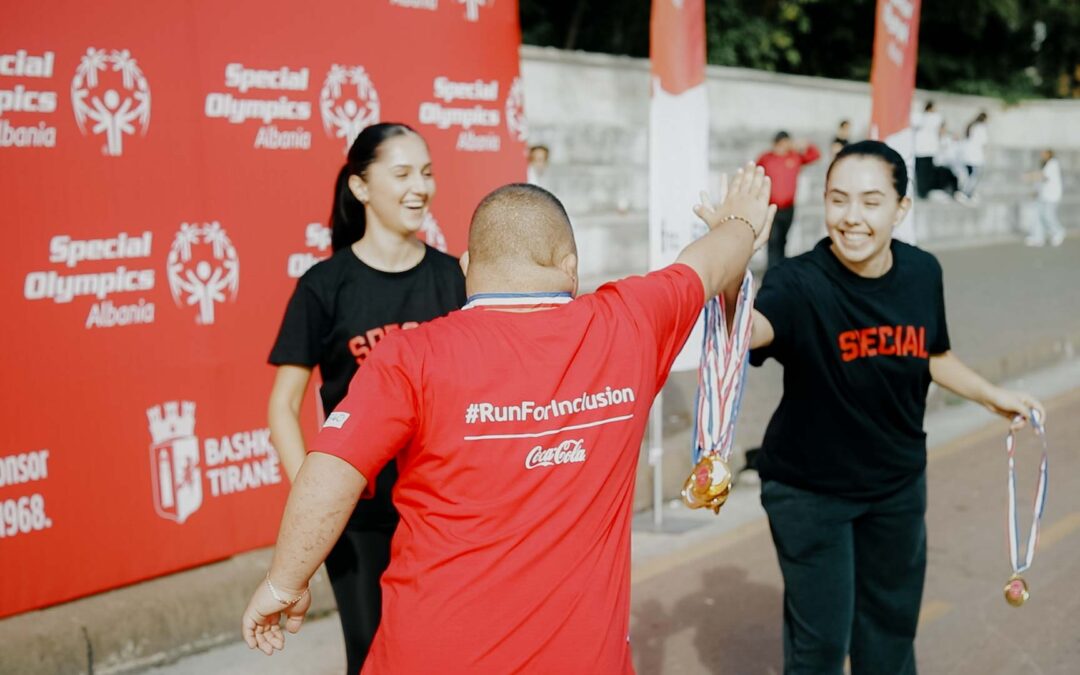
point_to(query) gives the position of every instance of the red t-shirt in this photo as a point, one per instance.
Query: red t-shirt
(517, 438)
(784, 172)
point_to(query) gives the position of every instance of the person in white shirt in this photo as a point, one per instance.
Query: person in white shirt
(974, 151)
(1047, 226)
(927, 127)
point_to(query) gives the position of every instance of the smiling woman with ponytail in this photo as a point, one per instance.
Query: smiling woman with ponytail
(380, 278)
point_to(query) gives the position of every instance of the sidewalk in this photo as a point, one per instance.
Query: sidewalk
(1011, 310)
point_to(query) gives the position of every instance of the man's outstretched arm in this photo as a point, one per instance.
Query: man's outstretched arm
(323, 496)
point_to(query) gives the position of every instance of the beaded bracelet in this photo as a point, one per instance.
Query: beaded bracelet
(273, 592)
(733, 216)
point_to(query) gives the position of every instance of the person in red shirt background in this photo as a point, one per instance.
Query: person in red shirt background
(782, 164)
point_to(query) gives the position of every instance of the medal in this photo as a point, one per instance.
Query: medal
(721, 377)
(709, 485)
(1016, 589)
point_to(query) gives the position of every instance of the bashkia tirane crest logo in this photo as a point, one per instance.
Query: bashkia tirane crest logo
(202, 268)
(348, 102)
(515, 111)
(110, 96)
(174, 460)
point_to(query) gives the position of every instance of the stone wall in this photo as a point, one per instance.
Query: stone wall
(592, 110)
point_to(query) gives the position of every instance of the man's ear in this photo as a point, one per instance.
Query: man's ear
(569, 267)
(464, 262)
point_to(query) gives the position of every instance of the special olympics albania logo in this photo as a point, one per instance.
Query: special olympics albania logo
(348, 102)
(174, 460)
(202, 268)
(111, 92)
(515, 111)
(433, 234)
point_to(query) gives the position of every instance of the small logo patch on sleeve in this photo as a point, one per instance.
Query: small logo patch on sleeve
(336, 420)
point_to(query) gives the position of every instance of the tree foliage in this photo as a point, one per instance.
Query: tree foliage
(1007, 48)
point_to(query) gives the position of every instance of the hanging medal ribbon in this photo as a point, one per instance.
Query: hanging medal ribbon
(721, 380)
(1016, 590)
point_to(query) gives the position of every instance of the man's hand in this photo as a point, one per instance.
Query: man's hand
(747, 197)
(261, 625)
(1015, 406)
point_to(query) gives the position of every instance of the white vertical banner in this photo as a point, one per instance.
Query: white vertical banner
(678, 138)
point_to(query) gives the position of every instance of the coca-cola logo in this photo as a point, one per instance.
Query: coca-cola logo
(567, 452)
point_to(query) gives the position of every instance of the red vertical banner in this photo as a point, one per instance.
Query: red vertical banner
(166, 172)
(892, 85)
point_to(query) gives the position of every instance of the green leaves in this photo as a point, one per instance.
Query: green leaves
(1007, 48)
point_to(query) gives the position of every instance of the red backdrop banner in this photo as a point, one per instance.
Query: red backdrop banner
(165, 174)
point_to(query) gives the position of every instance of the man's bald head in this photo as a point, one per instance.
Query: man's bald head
(519, 227)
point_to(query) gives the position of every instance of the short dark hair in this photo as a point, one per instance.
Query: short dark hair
(881, 151)
(780, 135)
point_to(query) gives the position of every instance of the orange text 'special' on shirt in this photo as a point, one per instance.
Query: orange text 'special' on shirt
(517, 437)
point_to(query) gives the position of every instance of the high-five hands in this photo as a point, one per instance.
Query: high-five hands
(744, 198)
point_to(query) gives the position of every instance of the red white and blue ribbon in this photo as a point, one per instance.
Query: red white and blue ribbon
(1013, 525)
(722, 374)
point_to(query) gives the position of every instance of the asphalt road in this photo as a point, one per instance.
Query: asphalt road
(720, 613)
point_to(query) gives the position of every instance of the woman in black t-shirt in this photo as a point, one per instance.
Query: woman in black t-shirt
(380, 278)
(858, 324)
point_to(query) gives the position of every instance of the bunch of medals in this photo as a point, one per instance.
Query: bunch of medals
(1016, 589)
(721, 380)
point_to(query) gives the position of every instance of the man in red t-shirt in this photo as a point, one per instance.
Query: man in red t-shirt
(782, 164)
(516, 424)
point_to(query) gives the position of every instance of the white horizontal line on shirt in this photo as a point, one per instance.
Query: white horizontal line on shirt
(538, 434)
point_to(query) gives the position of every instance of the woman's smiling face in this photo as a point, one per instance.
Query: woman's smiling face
(861, 208)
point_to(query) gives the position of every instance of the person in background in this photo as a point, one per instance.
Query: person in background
(842, 138)
(538, 164)
(1047, 227)
(380, 278)
(976, 138)
(782, 165)
(927, 127)
(949, 166)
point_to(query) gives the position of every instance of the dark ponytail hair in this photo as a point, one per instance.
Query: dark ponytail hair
(881, 151)
(347, 218)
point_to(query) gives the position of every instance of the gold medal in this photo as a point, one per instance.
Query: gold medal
(1016, 591)
(708, 485)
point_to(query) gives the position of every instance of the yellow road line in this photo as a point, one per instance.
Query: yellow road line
(997, 430)
(933, 610)
(1059, 530)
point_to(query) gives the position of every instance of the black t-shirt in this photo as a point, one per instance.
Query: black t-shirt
(856, 356)
(340, 310)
